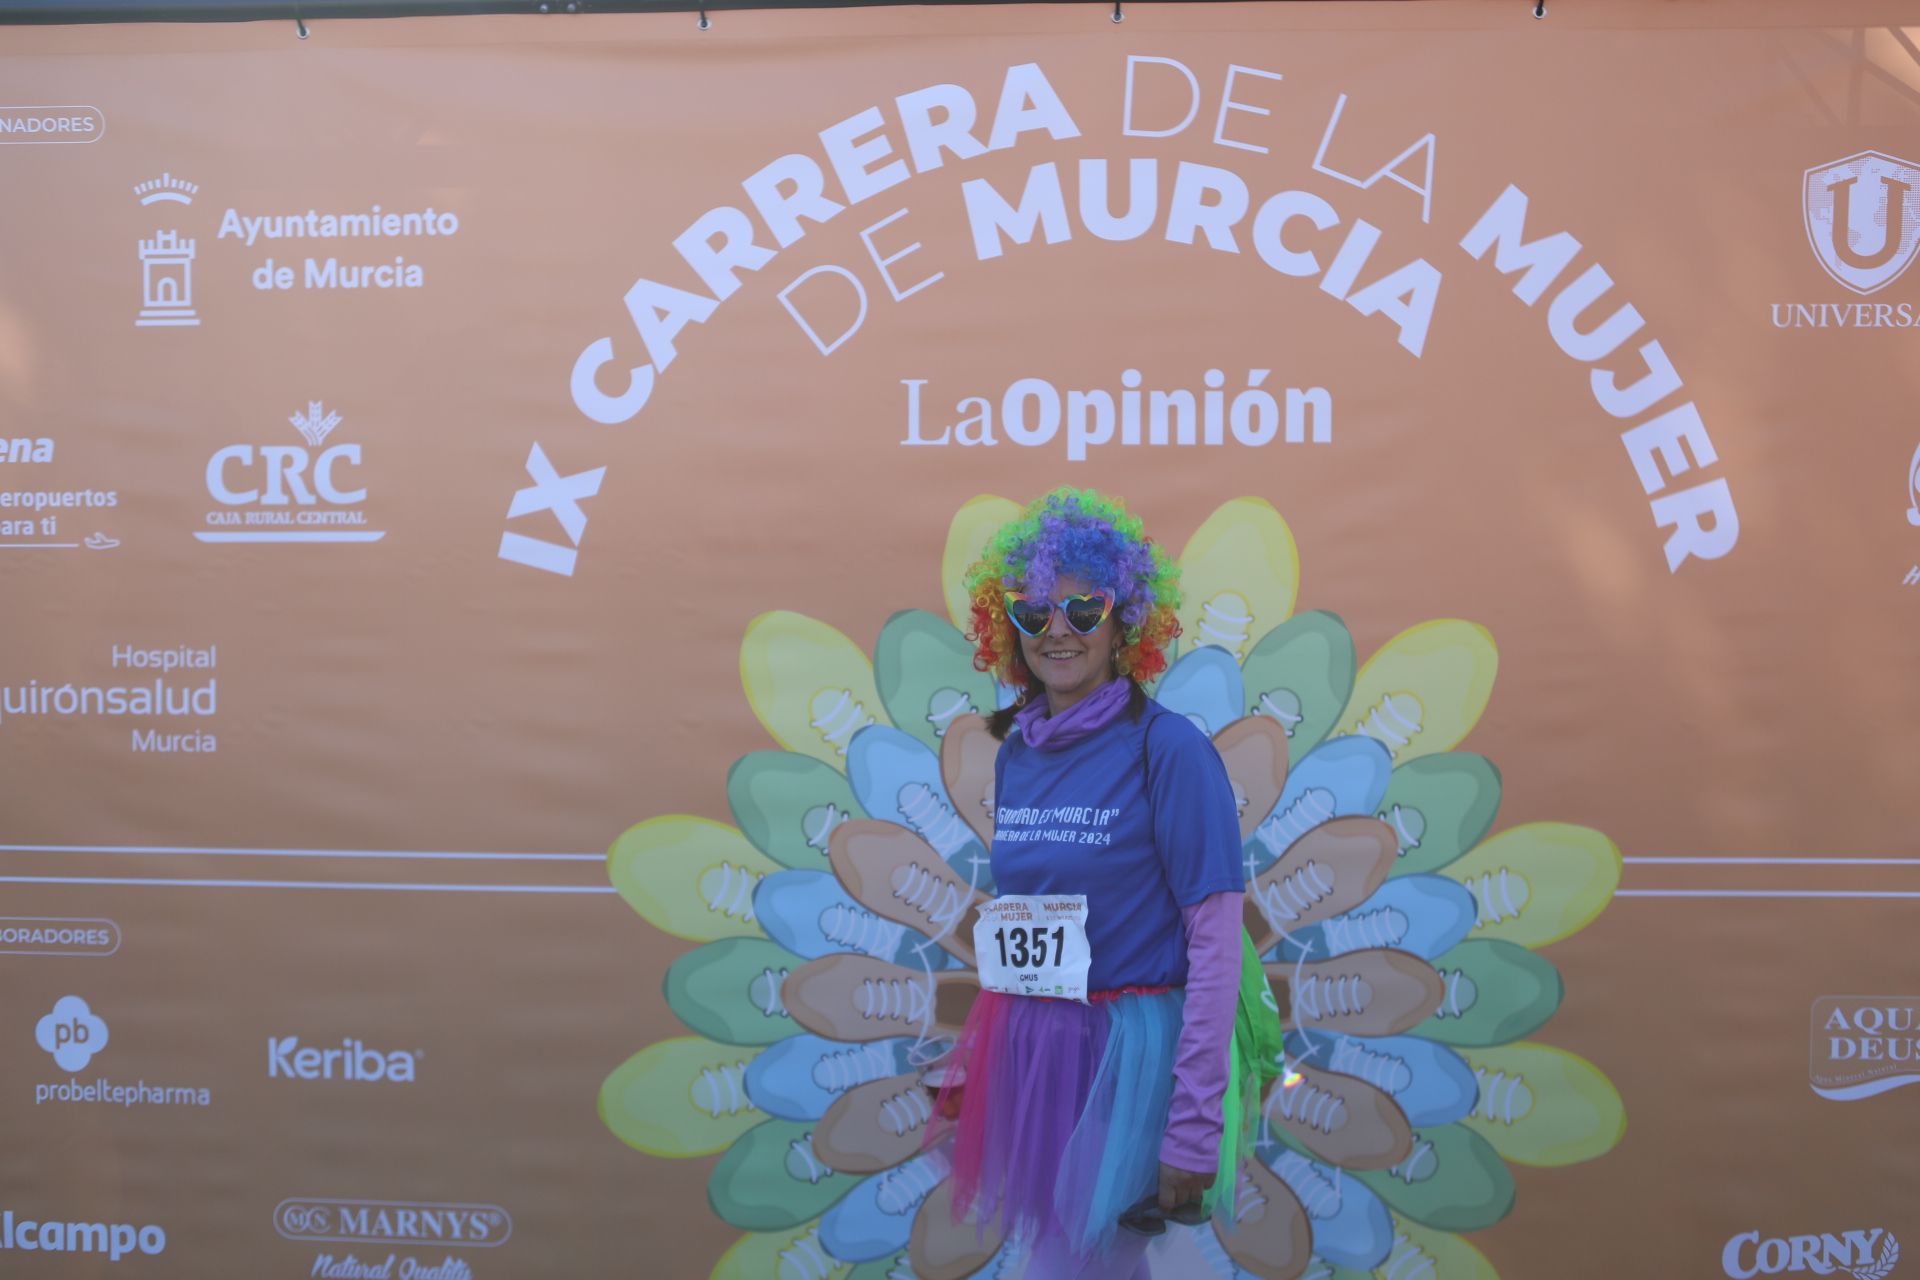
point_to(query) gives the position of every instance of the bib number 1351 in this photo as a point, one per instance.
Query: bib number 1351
(1034, 945)
(1021, 946)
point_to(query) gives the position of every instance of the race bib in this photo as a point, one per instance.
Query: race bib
(1034, 945)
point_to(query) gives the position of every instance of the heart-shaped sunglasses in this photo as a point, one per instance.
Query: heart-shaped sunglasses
(1033, 615)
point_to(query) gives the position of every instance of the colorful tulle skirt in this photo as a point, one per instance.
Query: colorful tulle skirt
(1062, 1109)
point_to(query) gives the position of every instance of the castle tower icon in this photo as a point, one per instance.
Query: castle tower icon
(167, 277)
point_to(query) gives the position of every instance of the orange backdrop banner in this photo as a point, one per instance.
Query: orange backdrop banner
(484, 500)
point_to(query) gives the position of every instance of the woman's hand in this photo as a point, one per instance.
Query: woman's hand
(1181, 1186)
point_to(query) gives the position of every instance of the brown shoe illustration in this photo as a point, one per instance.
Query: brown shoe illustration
(900, 877)
(1366, 993)
(942, 1249)
(1333, 868)
(1340, 1119)
(1254, 749)
(967, 752)
(876, 1126)
(854, 998)
(1270, 1234)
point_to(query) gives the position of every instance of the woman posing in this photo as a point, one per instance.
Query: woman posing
(1117, 855)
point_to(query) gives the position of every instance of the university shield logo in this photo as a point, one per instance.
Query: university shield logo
(1863, 218)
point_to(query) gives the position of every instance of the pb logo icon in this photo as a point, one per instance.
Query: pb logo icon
(72, 1033)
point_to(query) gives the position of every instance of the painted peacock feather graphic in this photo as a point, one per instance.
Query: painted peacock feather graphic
(835, 919)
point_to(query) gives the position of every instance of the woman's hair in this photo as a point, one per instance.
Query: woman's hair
(1080, 533)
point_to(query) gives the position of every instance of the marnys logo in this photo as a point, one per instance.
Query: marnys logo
(289, 492)
(1860, 1046)
(1862, 215)
(72, 1033)
(115, 1239)
(1852, 1253)
(393, 1222)
(353, 1060)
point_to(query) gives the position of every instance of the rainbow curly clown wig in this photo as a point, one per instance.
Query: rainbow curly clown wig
(1082, 533)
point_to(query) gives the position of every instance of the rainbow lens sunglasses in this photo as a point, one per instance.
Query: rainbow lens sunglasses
(1084, 613)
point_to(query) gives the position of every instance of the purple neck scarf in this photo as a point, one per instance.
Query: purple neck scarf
(1044, 732)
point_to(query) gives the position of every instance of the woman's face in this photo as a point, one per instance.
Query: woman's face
(1071, 665)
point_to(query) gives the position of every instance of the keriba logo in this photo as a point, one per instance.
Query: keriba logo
(352, 1060)
(1871, 1254)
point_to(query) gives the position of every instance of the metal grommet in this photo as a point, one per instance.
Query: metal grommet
(705, 22)
(1118, 15)
(1539, 8)
(300, 27)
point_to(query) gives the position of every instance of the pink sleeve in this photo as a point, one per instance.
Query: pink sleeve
(1201, 1059)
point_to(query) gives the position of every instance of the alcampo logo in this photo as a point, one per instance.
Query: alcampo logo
(72, 1033)
(115, 1239)
(289, 492)
(352, 1060)
(1865, 1255)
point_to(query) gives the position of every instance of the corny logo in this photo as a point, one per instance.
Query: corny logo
(1865, 1255)
(72, 1033)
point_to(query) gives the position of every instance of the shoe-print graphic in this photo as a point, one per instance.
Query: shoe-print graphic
(829, 925)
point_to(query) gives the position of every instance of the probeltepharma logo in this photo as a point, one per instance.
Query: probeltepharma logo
(72, 1033)
(1860, 1046)
(289, 492)
(115, 1239)
(1862, 215)
(351, 1060)
(1871, 1254)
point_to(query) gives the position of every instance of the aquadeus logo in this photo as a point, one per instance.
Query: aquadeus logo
(352, 1060)
(1869, 1254)
(1859, 1046)
(393, 1222)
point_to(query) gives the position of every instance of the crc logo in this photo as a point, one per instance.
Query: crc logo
(353, 1060)
(393, 1222)
(72, 1033)
(1864, 1255)
(1863, 218)
(289, 492)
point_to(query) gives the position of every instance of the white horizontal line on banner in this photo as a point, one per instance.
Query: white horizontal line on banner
(1782, 861)
(1766, 893)
(296, 535)
(304, 853)
(31, 545)
(312, 884)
